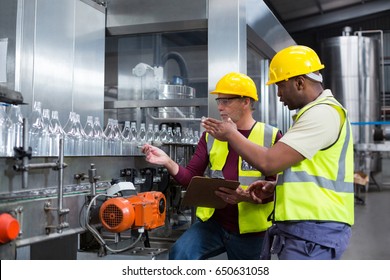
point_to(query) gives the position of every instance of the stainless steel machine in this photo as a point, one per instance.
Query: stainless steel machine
(150, 62)
(355, 73)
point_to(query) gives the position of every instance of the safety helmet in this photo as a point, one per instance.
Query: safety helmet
(235, 83)
(293, 61)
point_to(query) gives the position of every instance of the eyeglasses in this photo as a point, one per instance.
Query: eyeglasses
(226, 100)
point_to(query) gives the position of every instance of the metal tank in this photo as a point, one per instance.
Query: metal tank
(352, 73)
(167, 91)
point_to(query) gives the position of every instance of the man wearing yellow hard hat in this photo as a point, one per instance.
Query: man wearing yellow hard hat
(314, 194)
(237, 229)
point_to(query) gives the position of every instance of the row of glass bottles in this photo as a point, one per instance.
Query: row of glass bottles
(45, 131)
(11, 129)
(129, 140)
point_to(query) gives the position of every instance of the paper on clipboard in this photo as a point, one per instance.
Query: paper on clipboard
(201, 192)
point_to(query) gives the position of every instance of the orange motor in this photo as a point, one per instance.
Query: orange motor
(142, 210)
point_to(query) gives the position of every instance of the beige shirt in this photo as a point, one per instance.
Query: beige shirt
(316, 129)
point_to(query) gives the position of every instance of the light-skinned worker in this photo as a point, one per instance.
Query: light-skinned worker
(237, 229)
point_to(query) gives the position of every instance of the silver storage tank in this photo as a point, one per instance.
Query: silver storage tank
(352, 73)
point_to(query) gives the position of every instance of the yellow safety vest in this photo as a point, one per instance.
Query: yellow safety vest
(251, 217)
(320, 189)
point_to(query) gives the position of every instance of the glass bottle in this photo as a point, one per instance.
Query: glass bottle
(169, 134)
(70, 132)
(177, 135)
(196, 136)
(191, 138)
(57, 133)
(36, 129)
(100, 138)
(118, 138)
(149, 134)
(141, 137)
(126, 134)
(90, 139)
(5, 132)
(114, 138)
(133, 131)
(69, 122)
(108, 132)
(185, 137)
(45, 147)
(80, 137)
(133, 138)
(164, 134)
(156, 136)
(16, 119)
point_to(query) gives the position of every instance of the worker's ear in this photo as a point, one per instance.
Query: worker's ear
(299, 81)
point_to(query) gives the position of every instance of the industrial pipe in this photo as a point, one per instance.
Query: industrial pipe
(180, 61)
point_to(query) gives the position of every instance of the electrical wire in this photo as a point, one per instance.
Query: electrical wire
(99, 238)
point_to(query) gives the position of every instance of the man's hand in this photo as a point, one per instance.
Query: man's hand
(259, 191)
(219, 129)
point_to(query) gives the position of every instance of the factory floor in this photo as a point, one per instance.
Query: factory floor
(371, 231)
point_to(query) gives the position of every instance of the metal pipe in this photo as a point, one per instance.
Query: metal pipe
(359, 33)
(61, 167)
(30, 166)
(27, 167)
(92, 181)
(174, 119)
(25, 159)
(157, 50)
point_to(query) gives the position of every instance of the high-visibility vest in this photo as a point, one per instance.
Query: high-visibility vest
(320, 189)
(251, 217)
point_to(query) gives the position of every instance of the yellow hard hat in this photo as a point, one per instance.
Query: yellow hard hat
(293, 61)
(235, 83)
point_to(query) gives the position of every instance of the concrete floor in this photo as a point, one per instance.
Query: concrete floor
(371, 231)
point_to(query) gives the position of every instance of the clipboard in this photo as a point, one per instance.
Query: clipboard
(200, 192)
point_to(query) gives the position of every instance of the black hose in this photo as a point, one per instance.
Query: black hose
(180, 61)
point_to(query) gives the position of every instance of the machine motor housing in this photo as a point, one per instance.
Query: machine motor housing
(146, 209)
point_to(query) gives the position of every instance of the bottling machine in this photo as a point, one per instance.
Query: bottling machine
(146, 62)
(137, 64)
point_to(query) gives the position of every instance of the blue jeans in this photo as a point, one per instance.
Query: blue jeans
(208, 239)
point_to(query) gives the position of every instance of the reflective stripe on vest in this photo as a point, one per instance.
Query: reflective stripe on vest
(320, 189)
(252, 217)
